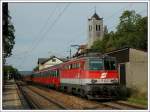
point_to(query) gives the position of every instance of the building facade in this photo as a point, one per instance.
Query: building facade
(48, 62)
(133, 68)
(95, 29)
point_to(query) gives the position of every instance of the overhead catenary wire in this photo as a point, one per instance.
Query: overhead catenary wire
(50, 28)
(60, 15)
(41, 30)
(44, 35)
(110, 17)
(46, 31)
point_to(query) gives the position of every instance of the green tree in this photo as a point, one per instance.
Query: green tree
(8, 32)
(128, 21)
(131, 32)
(142, 33)
(127, 29)
(36, 68)
(13, 72)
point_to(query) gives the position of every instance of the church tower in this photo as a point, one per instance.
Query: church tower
(95, 29)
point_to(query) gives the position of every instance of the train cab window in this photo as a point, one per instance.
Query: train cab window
(109, 65)
(95, 64)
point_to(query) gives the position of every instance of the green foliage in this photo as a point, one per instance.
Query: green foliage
(11, 70)
(131, 32)
(8, 32)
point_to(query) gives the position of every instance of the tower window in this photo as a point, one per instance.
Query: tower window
(90, 28)
(98, 27)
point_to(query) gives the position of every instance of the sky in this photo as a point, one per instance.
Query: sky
(45, 29)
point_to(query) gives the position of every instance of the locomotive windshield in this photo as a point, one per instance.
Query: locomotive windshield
(102, 64)
(109, 65)
(96, 64)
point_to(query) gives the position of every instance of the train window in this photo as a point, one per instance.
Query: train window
(46, 73)
(110, 65)
(73, 66)
(65, 67)
(113, 65)
(95, 64)
(57, 73)
(50, 73)
(54, 73)
(78, 65)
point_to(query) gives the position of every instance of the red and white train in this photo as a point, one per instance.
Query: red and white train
(94, 77)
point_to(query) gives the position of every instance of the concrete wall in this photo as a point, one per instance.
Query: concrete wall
(137, 70)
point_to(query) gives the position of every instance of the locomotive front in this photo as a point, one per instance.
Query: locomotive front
(101, 78)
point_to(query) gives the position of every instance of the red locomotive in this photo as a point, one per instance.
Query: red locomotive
(91, 76)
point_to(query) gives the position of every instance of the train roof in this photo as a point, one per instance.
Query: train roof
(52, 67)
(91, 55)
(81, 57)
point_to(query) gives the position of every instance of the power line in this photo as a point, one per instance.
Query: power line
(50, 28)
(52, 25)
(41, 30)
(44, 36)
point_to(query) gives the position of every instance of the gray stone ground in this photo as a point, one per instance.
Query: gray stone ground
(10, 97)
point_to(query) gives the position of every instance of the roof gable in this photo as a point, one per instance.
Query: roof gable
(51, 58)
(41, 60)
(95, 15)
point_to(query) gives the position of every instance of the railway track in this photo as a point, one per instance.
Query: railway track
(39, 101)
(121, 106)
(66, 101)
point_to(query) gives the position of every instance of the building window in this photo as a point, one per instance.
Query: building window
(98, 27)
(53, 60)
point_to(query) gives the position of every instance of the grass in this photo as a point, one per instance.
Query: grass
(138, 100)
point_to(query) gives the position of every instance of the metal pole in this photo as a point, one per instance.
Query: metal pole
(70, 52)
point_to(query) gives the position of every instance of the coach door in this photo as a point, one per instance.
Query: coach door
(82, 64)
